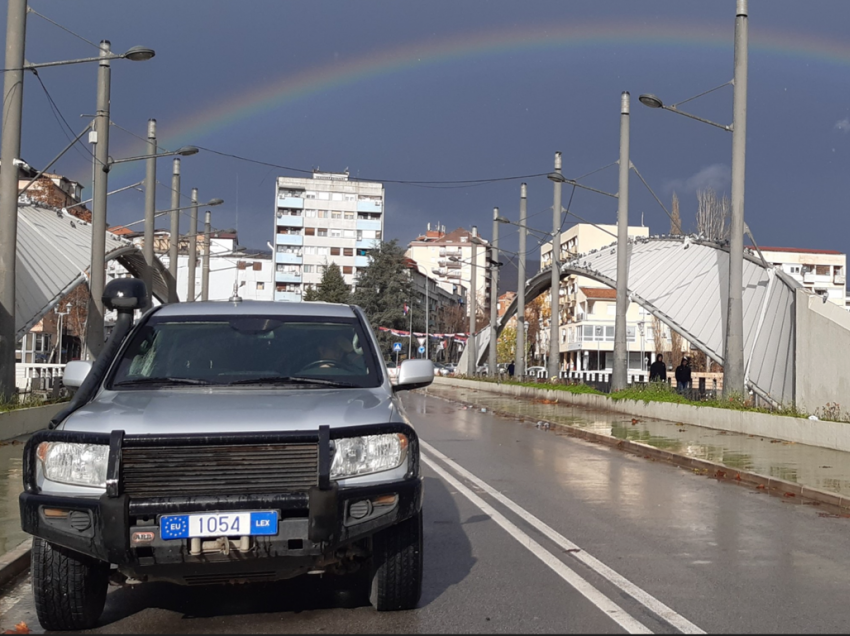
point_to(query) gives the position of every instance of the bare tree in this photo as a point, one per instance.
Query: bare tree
(713, 215)
(677, 346)
(658, 335)
(675, 217)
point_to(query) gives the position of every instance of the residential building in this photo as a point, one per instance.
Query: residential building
(449, 258)
(822, 272)
(322, 220)
(588, 308)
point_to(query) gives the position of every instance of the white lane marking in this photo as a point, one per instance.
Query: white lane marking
(644, 598)
(611, 609)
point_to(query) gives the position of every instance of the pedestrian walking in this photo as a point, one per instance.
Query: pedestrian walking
(658, 370)
(683, 375)
(511, 368)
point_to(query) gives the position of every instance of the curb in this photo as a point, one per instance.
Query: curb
(771, 485)
(15, 561)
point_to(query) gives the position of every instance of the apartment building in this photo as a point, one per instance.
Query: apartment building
(449, 258)
(822, 272)
(588, 308)
(322, 220)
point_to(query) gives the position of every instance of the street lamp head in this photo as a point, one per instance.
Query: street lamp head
(213, 202)
(501, 219)
(187, 151)
(138, 54)
(653, 101)
(556, 176)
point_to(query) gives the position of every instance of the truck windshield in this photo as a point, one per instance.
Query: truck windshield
(230, 351)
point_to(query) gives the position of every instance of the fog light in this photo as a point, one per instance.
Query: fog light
(80, 520)
(55, 513)
(359, 509)
(385, 500)
(138, 538)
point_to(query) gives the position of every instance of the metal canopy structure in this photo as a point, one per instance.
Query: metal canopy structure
(54, 256)
(683, 280)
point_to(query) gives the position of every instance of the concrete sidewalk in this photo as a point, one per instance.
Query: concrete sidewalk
(798, 472)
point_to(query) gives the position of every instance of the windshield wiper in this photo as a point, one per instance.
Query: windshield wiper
(160, 381)
(286, 379)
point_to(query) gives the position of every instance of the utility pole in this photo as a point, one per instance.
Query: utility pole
(174, 241)
(427, 319)
(554, 306)
(494, 295)
(733, 355)
(519, 370)
(205, 270)
(619, 376)
(97, 280)
(10, 151)
(150, 210)
(193, 247)
(471, 359)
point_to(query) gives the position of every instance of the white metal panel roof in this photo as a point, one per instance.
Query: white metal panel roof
(683, 281)
(54, 256)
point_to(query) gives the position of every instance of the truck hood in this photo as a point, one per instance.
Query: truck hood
(204, 410)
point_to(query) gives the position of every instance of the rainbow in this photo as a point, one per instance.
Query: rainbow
(198, 126)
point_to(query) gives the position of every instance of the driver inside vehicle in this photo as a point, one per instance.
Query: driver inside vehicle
(337, 352)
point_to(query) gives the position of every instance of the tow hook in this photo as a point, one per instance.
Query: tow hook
(221, 545)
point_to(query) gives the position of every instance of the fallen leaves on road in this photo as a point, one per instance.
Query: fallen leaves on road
(788, 494)
(20, 628)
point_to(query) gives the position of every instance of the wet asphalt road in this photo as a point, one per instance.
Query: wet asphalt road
(530, 531)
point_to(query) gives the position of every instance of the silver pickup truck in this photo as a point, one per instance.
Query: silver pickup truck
(226, 442)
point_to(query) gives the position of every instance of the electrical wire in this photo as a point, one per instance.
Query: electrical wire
(60, 119)
(67, 30)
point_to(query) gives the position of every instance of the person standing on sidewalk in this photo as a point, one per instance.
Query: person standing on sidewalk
(658, 370)
(683, 375)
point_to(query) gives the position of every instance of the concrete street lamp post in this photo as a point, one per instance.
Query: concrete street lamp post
(733, 353)
(554, 304)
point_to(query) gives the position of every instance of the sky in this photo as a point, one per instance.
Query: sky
(452, 105)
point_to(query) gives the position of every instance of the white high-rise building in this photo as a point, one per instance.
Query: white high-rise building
(322, 220)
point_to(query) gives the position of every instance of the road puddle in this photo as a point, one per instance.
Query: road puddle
(820, 468)
(11, 535)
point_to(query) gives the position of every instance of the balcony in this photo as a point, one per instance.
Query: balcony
(290, 202)
(288, 258)
(287, 277)
(369, 206)
(361, 261)
(289, 239)
(288, 220)
(838, 279)
(368, 225)
(366, 244)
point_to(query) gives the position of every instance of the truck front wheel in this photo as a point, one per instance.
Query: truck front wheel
(69, 587)
(397, 560)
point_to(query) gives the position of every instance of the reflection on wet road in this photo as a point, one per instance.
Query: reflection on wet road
(11, 486)
(820, 468)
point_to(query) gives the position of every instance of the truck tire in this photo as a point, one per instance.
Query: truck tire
(397, 562)
(69, 587)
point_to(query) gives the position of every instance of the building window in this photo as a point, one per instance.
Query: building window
(308, 269)
(336, 196)
(309, 194)
(258, 266)
(323, 214)
(324, 196)
(322, 231)
(335, 251)
(310, 231)
(310, 249)
(260, 285)
(323, 251)
(240, 265)
(336, 214)
(349, 233)
(349, 216)
(348, 251)
(335, 232)
(310, 214)
(348, 197)
(347, 269)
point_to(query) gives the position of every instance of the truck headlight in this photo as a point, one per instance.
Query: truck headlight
(77, 464)
(368, 454)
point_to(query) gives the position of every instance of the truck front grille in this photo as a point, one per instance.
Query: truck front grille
(218, 469)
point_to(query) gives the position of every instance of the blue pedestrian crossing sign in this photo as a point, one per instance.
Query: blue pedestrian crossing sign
(396, 346)
(421, 349)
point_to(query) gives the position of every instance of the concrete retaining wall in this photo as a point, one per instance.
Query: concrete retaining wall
(821, 362)
(23, 421)
(834, 435)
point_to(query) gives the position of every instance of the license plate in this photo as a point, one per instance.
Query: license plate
(218, 524)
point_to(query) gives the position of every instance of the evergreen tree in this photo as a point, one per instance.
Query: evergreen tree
(332, 288)
(311, 293)
(382, 291)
